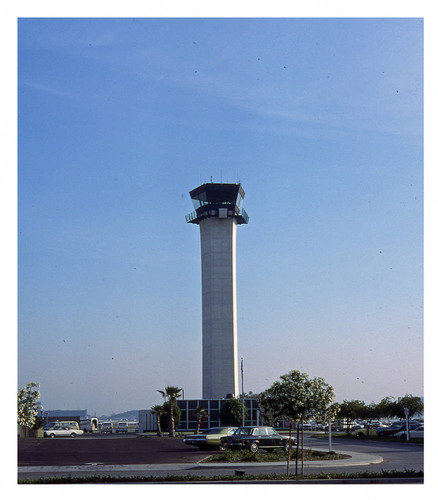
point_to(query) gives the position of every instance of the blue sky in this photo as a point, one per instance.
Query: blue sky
(322, 122)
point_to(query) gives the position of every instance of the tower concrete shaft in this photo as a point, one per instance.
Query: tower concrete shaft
(218, 212)
(219, 322)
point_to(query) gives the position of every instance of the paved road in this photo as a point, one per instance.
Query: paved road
(127, 456)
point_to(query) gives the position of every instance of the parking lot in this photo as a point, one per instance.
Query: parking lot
(107, 449)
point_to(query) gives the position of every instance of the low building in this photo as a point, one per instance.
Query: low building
(70, 415)
(147, 421)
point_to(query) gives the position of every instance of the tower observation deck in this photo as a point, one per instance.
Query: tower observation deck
(218, 211)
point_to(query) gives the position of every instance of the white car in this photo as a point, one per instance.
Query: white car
(414, 433)
(62, 431)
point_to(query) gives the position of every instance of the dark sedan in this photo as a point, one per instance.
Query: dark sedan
(255, 438)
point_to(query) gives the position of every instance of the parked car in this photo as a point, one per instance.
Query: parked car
(413, 433)
(209, 437)
(357, 426)
(62, 431)
(394, 429)
(257, 437)
(71, 424)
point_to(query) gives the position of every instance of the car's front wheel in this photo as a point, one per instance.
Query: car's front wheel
(254, 447)
(52, 435)
(73, 435)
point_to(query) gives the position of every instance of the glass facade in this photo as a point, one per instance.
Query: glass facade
(189, 418)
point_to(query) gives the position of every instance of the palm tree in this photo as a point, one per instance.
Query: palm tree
(171, 392)
(158, 410)
(201, 415)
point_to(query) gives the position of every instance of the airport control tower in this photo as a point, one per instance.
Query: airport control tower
(218, 211)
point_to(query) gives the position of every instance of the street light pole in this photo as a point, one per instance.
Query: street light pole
(407, 423)
(330, 435)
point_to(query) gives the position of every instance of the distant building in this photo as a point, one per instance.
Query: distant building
(71, 415)
(147, 421)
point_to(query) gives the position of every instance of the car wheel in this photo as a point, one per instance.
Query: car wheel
(52, 435)
(73, 435)
(254, 447)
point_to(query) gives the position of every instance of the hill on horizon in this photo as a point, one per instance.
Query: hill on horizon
(129, 415)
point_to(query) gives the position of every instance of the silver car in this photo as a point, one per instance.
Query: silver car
(62, 431)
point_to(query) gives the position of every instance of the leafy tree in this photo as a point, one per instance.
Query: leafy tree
(27, 407)
(369, 413)
(386, 408)
(413, 403)
(231, 412)
(298, 398)
(351, 410)
(201, 415)
(158, 410)
(171, 393)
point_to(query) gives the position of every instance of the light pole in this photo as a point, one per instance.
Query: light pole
(330, 435)
(407, 423)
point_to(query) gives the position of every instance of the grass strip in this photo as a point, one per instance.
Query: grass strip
(232, 456)
(407, 473)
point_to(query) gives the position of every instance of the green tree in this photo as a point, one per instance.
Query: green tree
(369, 413)
(298, 399)
(201, 415)
(27, 407)
(158, 410)
(386, 408)
(413, 403)
(171, 393)
(351, 410)
(231, 412)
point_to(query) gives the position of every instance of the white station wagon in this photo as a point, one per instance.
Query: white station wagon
(62, 431)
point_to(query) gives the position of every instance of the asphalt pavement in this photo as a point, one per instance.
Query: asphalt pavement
(130, 456)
